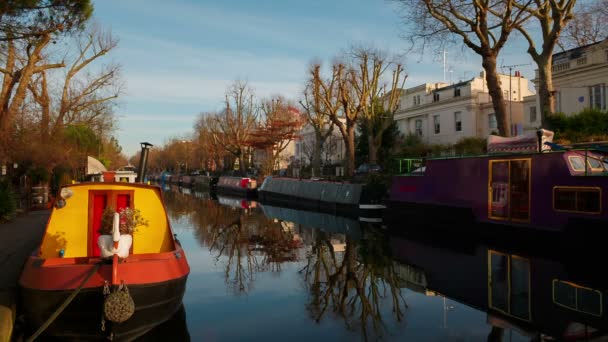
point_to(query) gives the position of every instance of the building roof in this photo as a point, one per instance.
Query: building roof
(575, 52)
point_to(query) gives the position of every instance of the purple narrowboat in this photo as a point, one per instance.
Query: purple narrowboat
(514, 184)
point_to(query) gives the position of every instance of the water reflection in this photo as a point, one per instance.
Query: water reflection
(325, 277)
(351, 278)
(539, 293)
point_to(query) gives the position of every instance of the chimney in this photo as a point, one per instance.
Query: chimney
(143, 161)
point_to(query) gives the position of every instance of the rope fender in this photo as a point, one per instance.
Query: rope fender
(118, 305)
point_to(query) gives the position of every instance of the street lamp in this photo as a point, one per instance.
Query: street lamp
(187, 144)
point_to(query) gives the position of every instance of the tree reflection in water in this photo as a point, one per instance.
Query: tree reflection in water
(245, 241)
(352, 280)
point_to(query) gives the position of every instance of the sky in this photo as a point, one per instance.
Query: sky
(179, 56)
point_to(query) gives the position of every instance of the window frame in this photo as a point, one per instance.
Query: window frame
(533, 111)
(418, 130)
(437, 124)
(577, 188)
(510, 258)
(576, 286)
(593, 97)
(457, 121)
(492, 121)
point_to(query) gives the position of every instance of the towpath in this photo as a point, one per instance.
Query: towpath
(18, 238)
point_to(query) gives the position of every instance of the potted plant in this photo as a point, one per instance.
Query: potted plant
(128, 221)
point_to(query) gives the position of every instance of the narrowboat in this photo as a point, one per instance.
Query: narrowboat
(525, 181)
(118, 284)
(237, 186)
(339, 198)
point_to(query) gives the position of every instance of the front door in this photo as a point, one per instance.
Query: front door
(509, 189)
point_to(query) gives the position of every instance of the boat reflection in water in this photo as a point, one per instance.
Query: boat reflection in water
(539, 293)
(173, 329)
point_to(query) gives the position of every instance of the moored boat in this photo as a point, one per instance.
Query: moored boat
(524, 181)
(237, 186)
(119, 283)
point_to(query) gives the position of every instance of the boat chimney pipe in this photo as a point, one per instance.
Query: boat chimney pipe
(143, 161)
(539, 136)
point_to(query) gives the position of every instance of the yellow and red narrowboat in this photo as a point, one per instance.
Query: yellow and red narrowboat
(70, 279)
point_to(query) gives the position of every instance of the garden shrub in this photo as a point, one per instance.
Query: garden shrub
(8, 205)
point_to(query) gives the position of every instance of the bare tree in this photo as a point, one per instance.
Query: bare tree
(84, 98)
(378, 100)
(21, 62)
(552, 16)
(588, 24)
(321, 125)
(338, 100)
(482, 25)
(232, 128)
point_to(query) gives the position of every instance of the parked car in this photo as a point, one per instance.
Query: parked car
(367, 168)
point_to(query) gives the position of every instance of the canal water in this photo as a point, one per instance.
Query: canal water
(264, 273)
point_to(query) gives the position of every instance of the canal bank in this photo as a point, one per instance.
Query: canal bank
(19, 237)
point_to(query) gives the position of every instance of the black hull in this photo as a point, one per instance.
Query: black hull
(239, 192)
(81, 320)
(288, 201)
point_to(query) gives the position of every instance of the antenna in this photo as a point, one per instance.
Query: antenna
(511, 93)
(445, 57)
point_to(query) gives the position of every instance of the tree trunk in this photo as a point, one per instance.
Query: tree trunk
(372, 148)
(502, 119)
(316, 154)
(545, 89)
(350, 150)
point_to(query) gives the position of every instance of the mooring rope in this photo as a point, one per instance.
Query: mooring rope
(59, 310)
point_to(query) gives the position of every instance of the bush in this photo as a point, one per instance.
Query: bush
(471, 145)
(39, 175)
(588, 125)
(8, 205)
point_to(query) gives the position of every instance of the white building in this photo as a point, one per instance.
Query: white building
(332, 153)
(580, 77)
(441, 113)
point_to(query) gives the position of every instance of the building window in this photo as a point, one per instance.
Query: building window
(558, 102)
(458, 121)
(492, 124)
(416, 100)
(533, 114)
(436, 124)
(435, 96)
(597, 96)
(456, 92)
(418, 125)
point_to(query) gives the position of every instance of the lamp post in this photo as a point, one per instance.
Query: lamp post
(187, 146)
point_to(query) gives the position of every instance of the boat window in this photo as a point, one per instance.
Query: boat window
(595, 164)
(576, 297)
(577, 199)
(509, 277)
(577, 163)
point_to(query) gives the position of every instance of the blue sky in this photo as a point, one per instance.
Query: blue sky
(179, 56)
